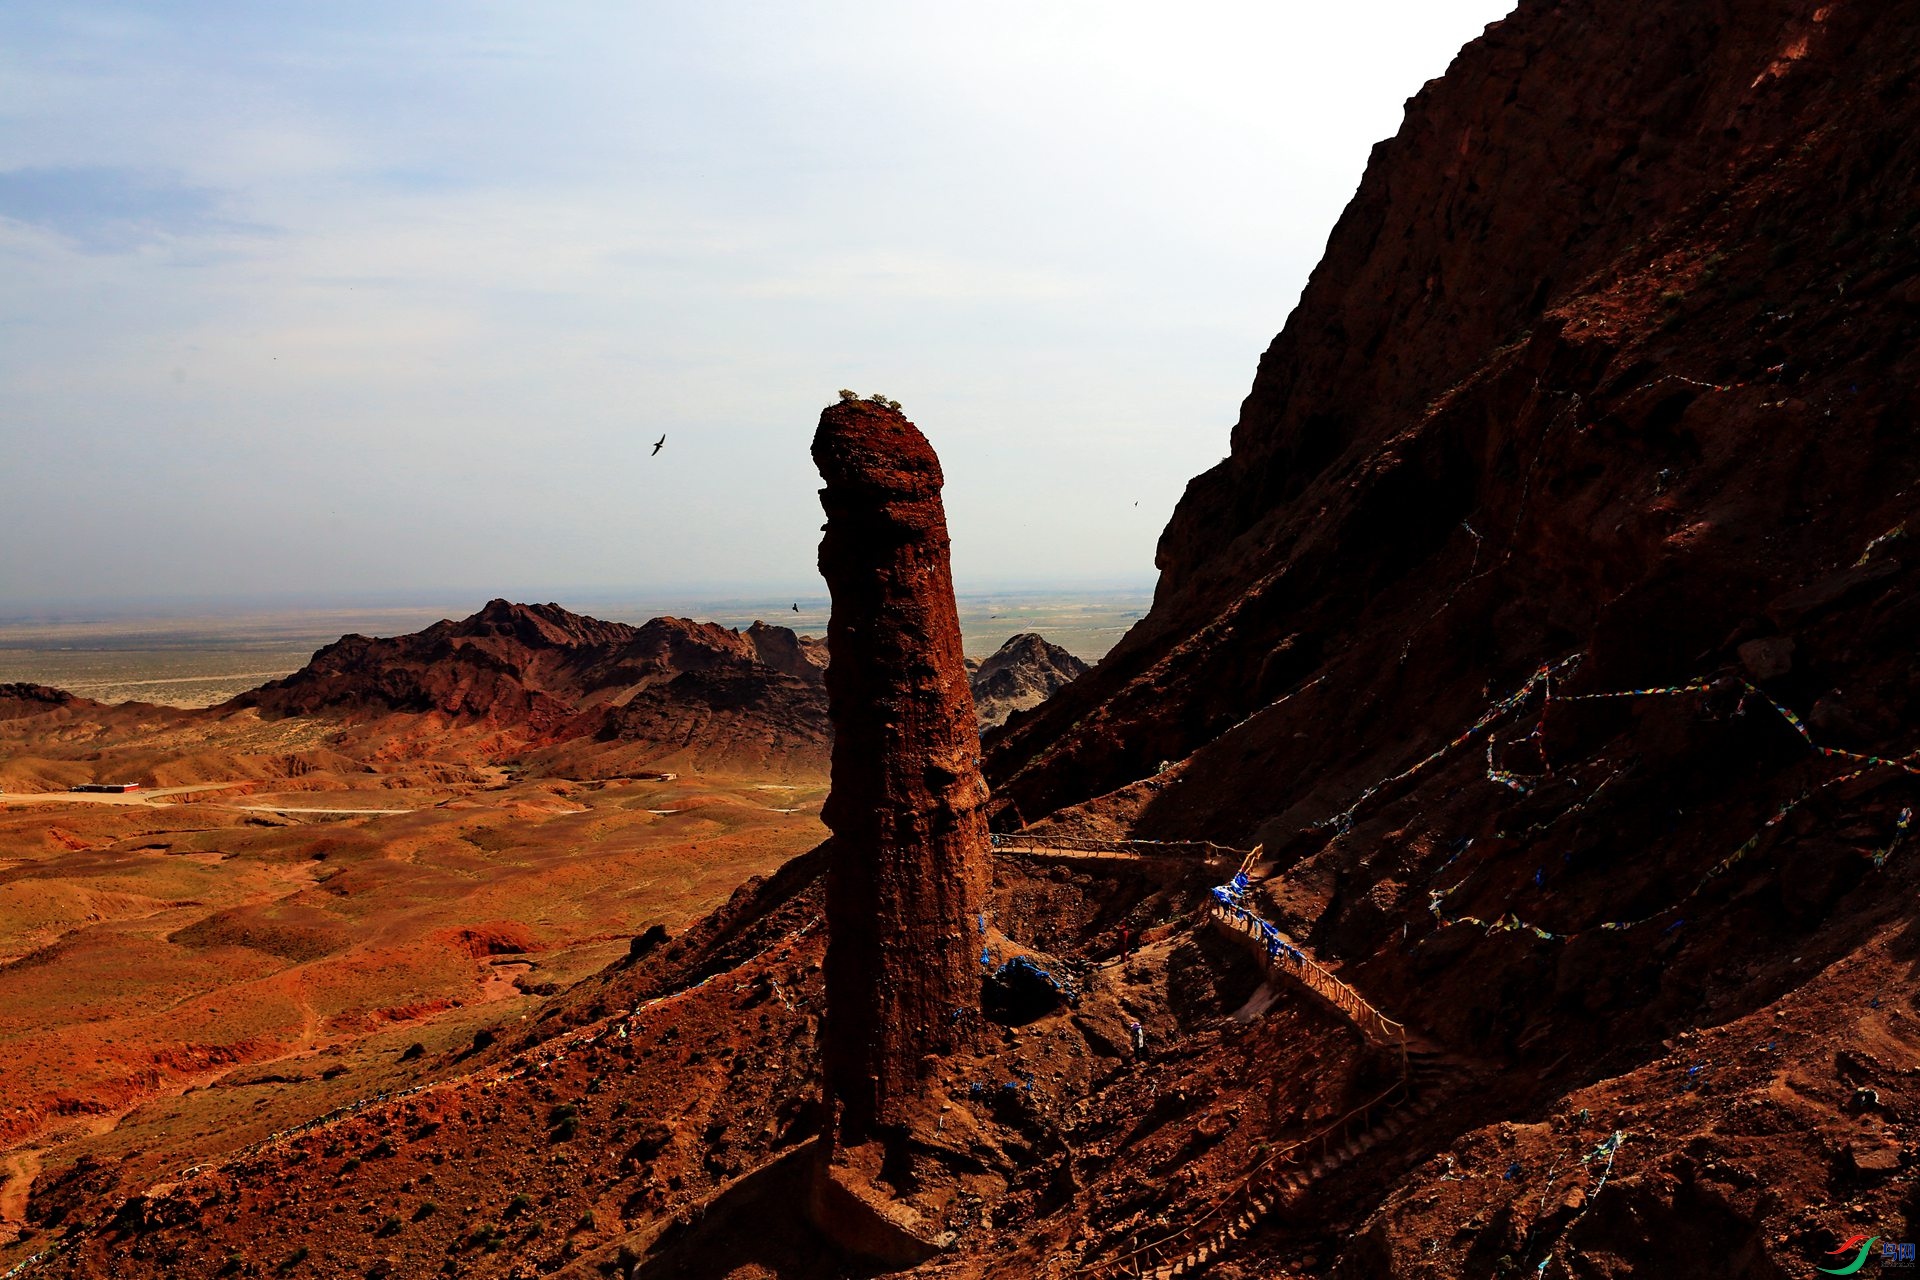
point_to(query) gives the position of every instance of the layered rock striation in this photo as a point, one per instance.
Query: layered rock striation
(906, 882)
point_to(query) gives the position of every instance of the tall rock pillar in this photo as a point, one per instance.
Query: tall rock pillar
(907, 875)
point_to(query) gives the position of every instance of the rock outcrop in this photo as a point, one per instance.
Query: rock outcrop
(549, 675)
(1021, 674)
(907, 871)
(20, 700)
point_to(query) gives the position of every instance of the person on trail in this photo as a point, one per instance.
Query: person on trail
(1139, 1034)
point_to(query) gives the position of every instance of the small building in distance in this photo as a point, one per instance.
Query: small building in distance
(114, 788)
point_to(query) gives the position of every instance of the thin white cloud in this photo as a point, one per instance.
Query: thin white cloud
(506, 243)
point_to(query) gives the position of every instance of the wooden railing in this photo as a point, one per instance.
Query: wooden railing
(1177, 1245)
(1290, 959)
(1281, 956)
(1021, 842)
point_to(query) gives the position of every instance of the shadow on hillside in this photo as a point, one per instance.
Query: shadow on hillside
(756, 1226)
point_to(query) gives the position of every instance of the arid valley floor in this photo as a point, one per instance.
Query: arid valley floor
(227, 956)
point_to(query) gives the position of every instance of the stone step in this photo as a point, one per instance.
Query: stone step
(1268, 1189)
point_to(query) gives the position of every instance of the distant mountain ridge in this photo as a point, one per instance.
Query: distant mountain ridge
(25, 699)
(556, 675)
(510, 662)
(551, 675)
(1020, 675)
(552, 689)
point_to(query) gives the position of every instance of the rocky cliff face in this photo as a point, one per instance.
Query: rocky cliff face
(906, 878)
(1609, 371)
(1020, 675)
(1612, 347)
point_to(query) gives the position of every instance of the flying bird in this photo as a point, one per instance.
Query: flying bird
(657, 443)
(796, 608)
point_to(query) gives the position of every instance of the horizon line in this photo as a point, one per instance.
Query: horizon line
(77, 609)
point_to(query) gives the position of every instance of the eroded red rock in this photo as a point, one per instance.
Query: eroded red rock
(906, 884)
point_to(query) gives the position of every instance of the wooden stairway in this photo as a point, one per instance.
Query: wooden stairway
(1284, 958)
(1284, 1175)
(1278, 1183)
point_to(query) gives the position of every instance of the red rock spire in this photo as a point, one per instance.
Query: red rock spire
(907, 879)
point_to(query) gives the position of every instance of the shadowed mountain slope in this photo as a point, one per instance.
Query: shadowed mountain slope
(1020, 675)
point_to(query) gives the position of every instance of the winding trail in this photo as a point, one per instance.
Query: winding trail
(148, 796)
(18, 1169)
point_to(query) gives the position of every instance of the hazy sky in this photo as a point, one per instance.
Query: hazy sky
(363, 298)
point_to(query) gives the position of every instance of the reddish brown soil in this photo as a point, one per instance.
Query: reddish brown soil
(185, 971)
